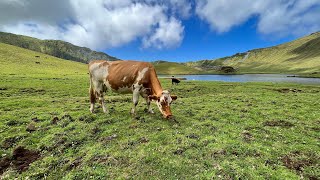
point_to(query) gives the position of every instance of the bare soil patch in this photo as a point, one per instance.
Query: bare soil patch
(20, 160)
(279, 123)
(298, 160)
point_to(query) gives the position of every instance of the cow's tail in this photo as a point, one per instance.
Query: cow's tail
(91, 91)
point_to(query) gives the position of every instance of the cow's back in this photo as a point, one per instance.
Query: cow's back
(126, 73)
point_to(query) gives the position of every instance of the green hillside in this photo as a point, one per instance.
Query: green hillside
(55, 48)
(22, 62)
(301, 56)
(164, 67)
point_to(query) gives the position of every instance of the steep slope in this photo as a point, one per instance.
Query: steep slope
(164, 67)
(55, 48)
(298, 56)
(23, 62)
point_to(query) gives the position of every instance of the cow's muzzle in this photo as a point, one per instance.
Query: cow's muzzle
(167, 116)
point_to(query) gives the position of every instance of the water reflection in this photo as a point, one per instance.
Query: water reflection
(250, 78)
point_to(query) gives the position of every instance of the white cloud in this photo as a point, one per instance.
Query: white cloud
(96, 24)
(168, 34)
(281, 17)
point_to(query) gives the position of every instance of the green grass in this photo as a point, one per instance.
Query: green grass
(223, 130)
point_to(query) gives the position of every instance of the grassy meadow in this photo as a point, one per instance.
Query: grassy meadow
(220, 130)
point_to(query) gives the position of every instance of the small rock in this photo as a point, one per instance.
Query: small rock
(31, 127)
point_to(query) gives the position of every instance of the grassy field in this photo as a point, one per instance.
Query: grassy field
(220, 131)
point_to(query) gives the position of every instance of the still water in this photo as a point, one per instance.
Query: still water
(250, 78)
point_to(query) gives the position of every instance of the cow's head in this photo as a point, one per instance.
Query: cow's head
(163, 103)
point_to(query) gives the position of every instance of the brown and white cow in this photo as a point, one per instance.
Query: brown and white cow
(138, 78)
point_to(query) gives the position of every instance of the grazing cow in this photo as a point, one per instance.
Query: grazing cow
(138, 78)
(175, 81)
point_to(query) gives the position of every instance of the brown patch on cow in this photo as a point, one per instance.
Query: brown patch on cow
(280, 123)
(126, 76)
(298, 160)
(287, 90)
(20, 160)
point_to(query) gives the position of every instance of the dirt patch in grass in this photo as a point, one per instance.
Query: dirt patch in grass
(11, 141)
(287, 90)
(32, 90)
(279, 123)
(87, 119)
(179, 151)
(14, 123)
(193, 136)
(20, 160)
(298, 160)
(247, 136)
(77, 162)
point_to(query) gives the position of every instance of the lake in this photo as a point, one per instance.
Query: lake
(249, 78)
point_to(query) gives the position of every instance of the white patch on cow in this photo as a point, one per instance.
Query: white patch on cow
(124, 79)
(98, 73)
(141, 73)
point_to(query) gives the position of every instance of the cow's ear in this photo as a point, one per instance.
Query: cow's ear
(153, 97)
(174, 97)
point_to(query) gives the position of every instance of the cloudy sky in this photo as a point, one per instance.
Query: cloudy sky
(174, 30)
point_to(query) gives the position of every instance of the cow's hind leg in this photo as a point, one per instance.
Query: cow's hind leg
(135, 98)
(99, 93)
(92, 99)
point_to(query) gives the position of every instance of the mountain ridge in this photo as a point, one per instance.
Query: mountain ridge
(57, 48)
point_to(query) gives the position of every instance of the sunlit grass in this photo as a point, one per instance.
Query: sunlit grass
(220, 130)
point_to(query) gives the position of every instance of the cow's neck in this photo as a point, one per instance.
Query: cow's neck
(155, 84)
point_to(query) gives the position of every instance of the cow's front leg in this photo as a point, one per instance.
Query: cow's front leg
(135, 99)
(148, 101)
(101, 99)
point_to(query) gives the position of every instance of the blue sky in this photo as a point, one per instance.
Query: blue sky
(172, 30)
(201, 43)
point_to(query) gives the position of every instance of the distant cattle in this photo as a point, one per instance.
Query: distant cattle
(138, 78)
(175, 81)
(37, 56)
